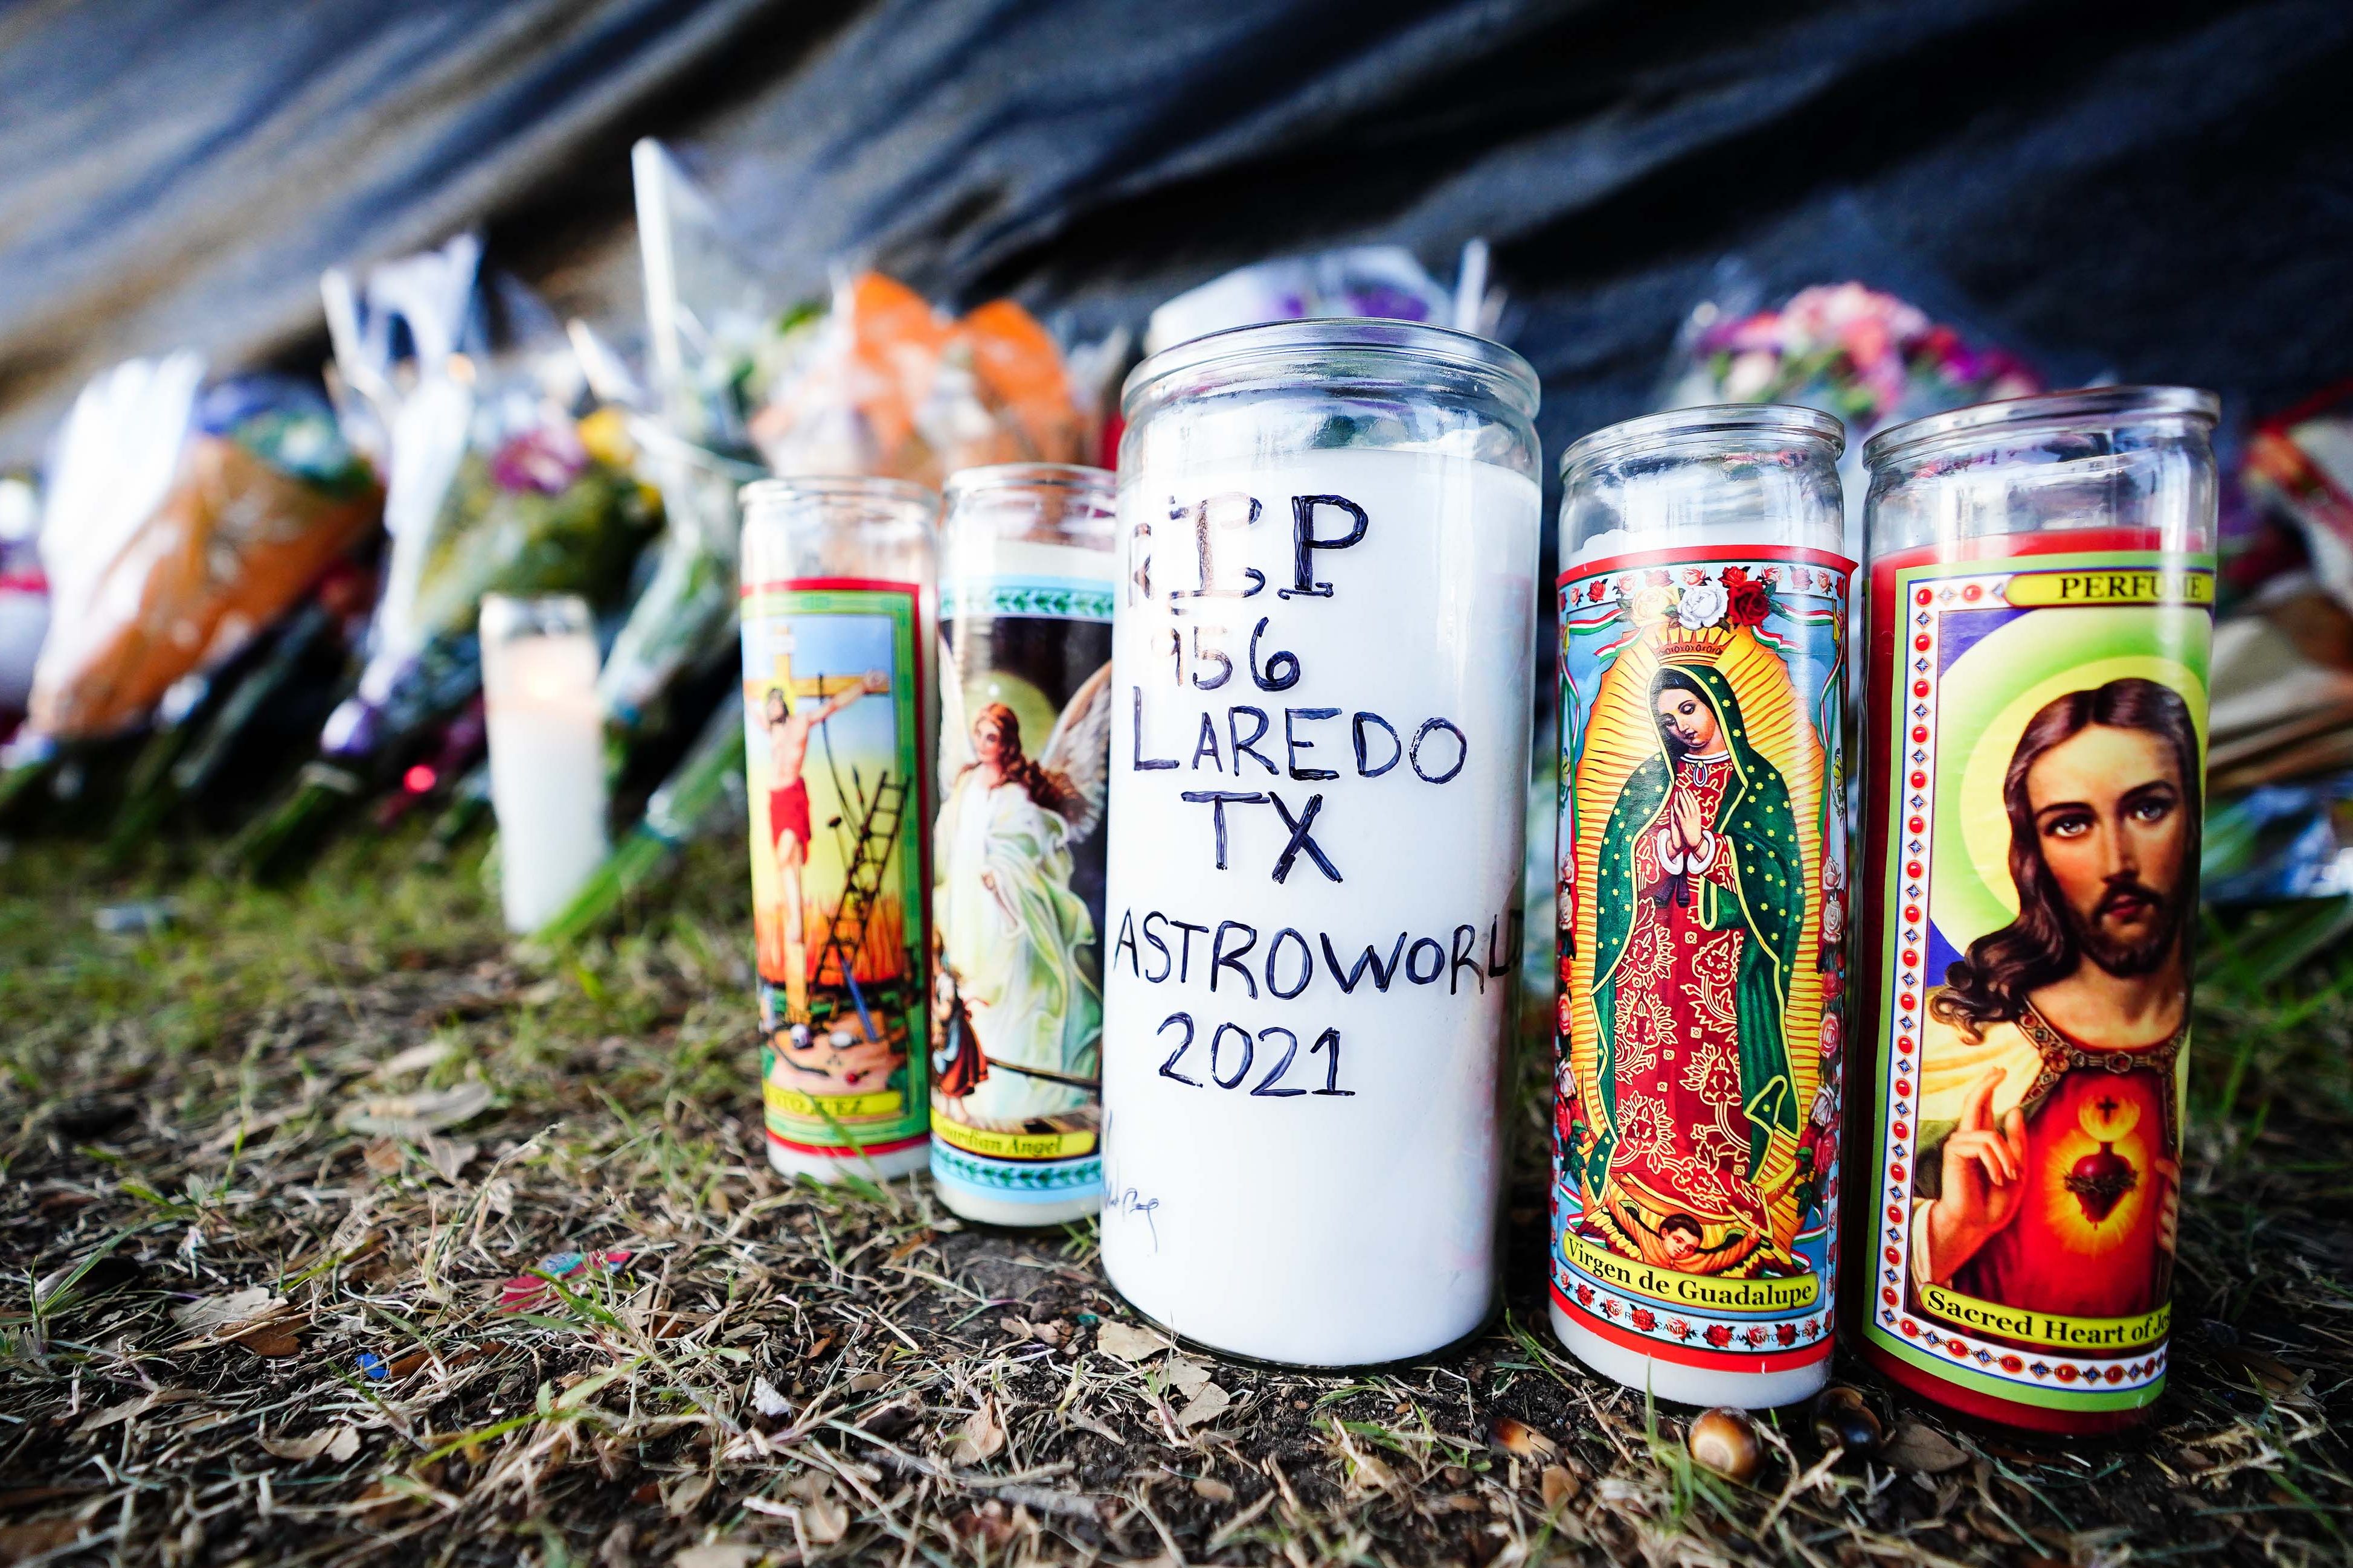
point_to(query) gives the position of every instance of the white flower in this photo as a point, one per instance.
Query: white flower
(1703, 605)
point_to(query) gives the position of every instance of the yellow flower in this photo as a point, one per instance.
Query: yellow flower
(1652, 605)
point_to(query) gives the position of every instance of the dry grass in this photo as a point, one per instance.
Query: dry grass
(352, 1104)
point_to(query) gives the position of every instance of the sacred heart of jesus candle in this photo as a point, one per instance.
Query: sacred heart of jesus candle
(2040, 609)
(1702, 903)
(1322, 640)
(840, 715)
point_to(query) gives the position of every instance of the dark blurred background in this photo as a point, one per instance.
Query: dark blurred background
(2148, 191)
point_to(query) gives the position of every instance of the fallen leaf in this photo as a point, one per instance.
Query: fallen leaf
(449, 1157)
(302, 1449)
(1047, 1333)
(1206, 1406)
(1519, 1438)
(344, 1446)
(825, 1520)
(384, 1157)
(131, 1409)
(36, 1537)
(498, 1196)
(1924, 1449)
(270, 1340)
(1185, 1374)
(1559, 1487)
(683, 1494)
(1128, 1343)
(867, 1382)
(207, 1314)
(1214, 1490)
(416, 1059)
(414, 1115)
(981, 1436)
(718, 1554)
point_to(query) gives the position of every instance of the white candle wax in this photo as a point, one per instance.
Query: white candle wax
(547, 770)
(1331, 1202)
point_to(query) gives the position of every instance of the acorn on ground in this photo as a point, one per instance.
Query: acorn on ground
(1842, 1419)
(1725, 1442)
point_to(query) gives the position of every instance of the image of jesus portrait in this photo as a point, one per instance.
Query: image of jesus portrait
(1699, 915)
(2047, 1177)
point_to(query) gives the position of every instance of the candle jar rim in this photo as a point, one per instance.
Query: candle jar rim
(1707, 425)
(506, 616)
(882, 494)
(1076, 478)
(1352, 341)
(2101, 406)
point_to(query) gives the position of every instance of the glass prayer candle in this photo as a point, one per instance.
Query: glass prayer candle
(1323, 637)
(546, 738)
(1700, 921)
(839, 629)
(1018, 850)
(2040, 611)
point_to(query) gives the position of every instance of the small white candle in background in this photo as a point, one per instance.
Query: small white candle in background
(547, 751)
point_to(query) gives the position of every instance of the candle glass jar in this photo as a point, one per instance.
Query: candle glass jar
(1319, 757)
(1018, 854)
(2040, 612)
(1702, 901)
(839, 627)
(546, 737)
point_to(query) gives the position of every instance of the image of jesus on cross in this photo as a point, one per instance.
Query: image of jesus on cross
(789, 727)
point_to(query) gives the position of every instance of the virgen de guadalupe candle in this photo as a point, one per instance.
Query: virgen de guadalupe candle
(1322, 631)
(2040, 611)
(1702, 903)
(838, 720)
(1026, 587)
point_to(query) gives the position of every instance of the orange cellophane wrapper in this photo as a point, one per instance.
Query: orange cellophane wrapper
(232, 546)
(899, 390)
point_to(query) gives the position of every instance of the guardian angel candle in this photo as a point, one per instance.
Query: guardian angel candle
(546, 737)
(2040, 611)
(839, 709)
(1018, 850)
(1320, 722)
(1701, 931)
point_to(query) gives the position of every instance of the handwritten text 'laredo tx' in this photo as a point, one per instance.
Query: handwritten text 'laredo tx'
(1225, 707)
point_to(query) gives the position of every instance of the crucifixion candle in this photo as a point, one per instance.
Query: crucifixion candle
(2040, 612)
(546, 735)
(1322, 630)
(840, 626)
(1700, 921)
(1018, 854)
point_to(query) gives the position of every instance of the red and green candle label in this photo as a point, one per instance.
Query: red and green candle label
(2038, 826)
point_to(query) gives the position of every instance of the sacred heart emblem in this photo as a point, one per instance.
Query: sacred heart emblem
(2101, 1180)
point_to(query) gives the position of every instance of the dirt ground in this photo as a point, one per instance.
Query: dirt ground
(276, 1174)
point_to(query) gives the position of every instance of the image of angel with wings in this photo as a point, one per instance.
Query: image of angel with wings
(1021, 1001)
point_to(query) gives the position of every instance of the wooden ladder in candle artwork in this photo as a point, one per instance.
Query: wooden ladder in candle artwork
(866, 858)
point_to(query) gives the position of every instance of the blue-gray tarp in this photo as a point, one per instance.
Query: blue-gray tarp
(2156, 190)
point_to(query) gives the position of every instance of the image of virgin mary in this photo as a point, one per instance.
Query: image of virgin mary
(1699, 899)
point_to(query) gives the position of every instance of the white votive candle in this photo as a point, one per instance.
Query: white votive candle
(546, 737)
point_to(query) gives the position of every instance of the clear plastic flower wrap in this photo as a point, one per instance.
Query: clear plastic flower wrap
(183, 520)
(496, 485)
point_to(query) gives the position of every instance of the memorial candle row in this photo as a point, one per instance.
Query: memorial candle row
(1160, 851)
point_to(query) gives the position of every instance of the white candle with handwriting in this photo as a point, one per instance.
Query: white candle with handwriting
(1319, 752)
(547, 751)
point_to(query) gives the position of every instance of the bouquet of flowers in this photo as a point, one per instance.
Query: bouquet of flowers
(496, 487)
